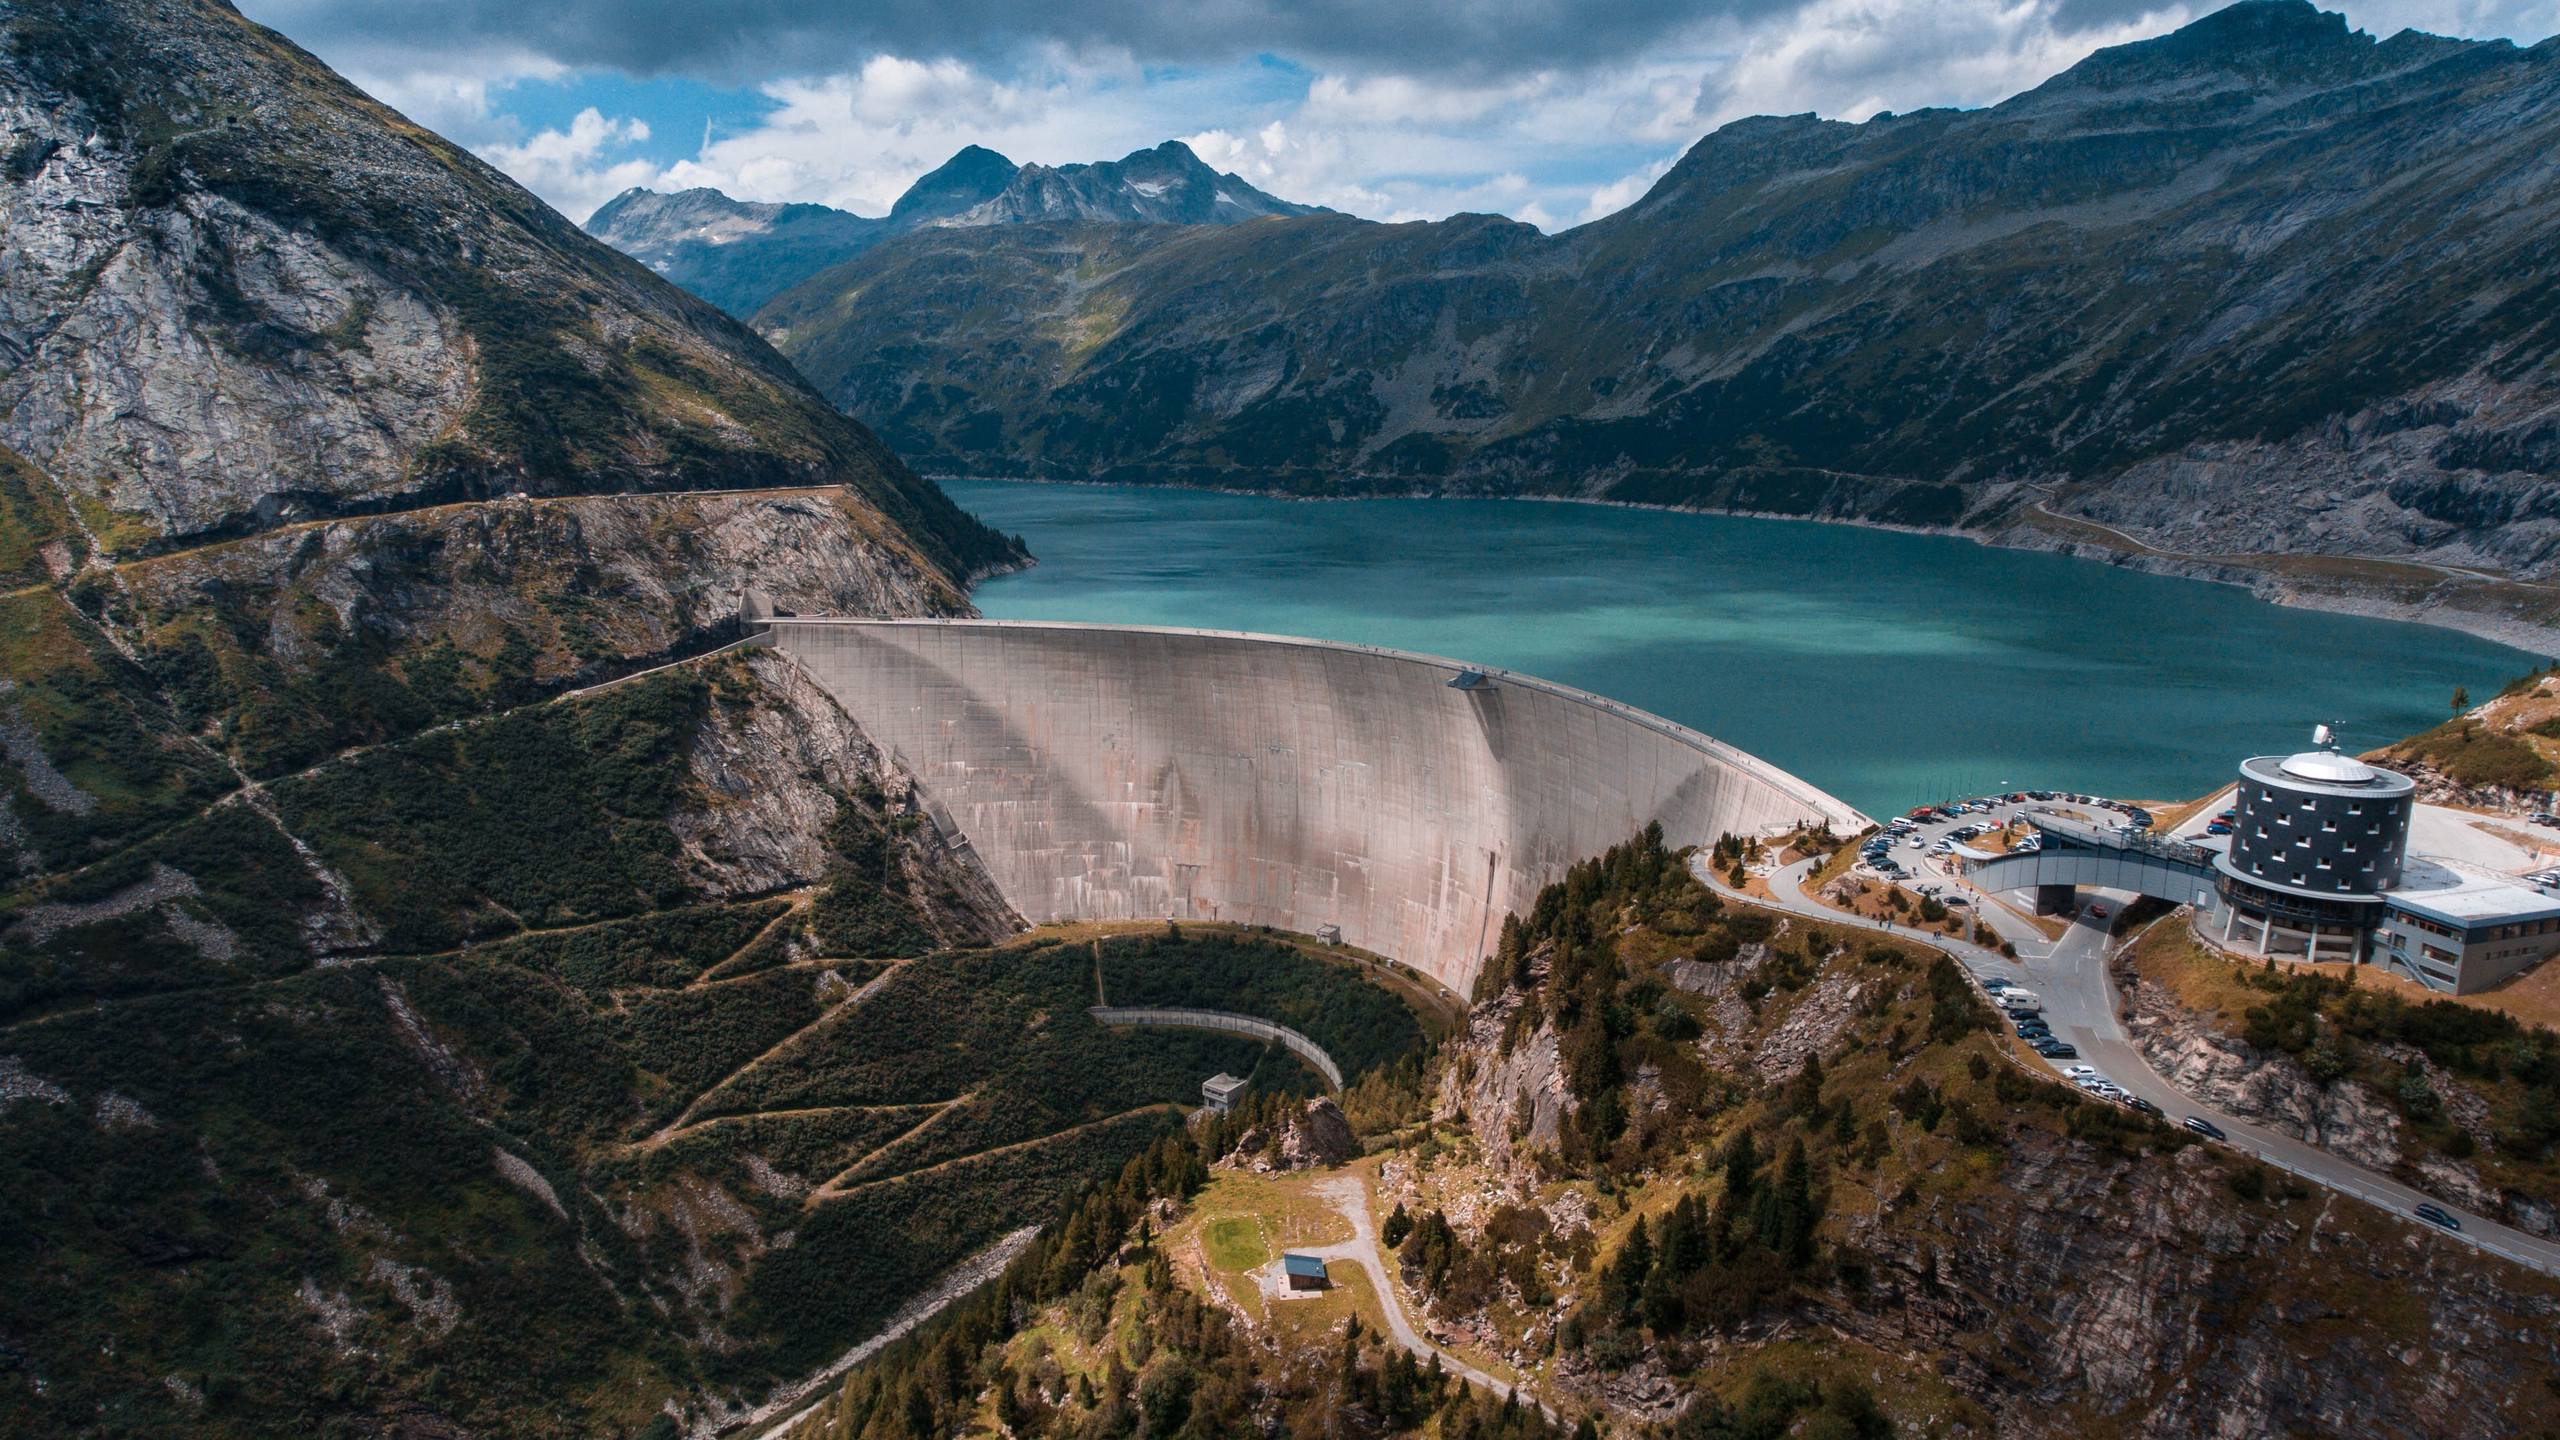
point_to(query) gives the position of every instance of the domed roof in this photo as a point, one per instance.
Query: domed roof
(2330, 768)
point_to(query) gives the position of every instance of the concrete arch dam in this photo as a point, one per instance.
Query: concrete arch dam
(1126, 773)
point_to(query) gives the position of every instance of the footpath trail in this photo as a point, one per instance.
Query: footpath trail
(685, 1117)
(2080, 1003)
(821, 1196)
(1349, 1195)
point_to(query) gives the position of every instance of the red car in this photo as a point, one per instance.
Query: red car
(2097, 912)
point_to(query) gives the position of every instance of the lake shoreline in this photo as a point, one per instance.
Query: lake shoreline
(1887, 667)
(2265, 584)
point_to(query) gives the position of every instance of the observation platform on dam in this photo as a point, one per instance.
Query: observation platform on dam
(2077, 856)
(1106, 772)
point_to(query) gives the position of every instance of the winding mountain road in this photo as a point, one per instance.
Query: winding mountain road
(1350, 1197)
(2070, 977)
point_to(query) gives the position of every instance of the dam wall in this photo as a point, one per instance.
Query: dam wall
(1129, 773)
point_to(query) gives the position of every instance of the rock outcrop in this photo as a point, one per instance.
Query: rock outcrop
(1319, 1137)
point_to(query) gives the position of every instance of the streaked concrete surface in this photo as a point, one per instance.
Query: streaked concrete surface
(1123, 772)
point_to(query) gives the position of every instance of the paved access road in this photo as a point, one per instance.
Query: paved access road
(1350, 1197)
(2070, 977)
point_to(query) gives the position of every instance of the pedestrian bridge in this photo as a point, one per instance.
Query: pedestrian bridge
(2075, 856)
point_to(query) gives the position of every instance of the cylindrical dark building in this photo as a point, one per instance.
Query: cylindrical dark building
(2319, 837)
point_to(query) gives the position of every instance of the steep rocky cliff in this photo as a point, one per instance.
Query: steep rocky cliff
(738, 254)
(2261, 285)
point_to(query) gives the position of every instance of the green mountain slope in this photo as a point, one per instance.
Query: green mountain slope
(2263, 284)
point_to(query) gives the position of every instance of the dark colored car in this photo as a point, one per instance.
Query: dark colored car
(2437, 1215)
(2058, 1050)
(2205, 1128)
(2145, 1106)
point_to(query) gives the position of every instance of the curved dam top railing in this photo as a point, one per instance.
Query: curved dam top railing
(1185, 1019)
(1407, 801)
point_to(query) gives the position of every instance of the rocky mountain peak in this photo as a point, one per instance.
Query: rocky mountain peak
(969, 178)
(2258, 40)
(1167, 184)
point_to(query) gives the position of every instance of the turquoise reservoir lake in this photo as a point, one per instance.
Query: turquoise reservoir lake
(1887, 668)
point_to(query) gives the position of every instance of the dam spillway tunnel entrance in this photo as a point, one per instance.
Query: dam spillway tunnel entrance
(1134, 773)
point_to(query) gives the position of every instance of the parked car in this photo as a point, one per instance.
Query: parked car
(2145, 1106)
(2081, 1070)
(2057, 1050)
(2205, 1128)
(2437, 1215)
(2218, 827)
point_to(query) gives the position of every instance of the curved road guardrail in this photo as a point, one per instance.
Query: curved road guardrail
(1182, 1019)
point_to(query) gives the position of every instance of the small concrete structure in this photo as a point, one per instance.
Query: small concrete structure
(1219, 1091)
(1305, 1272)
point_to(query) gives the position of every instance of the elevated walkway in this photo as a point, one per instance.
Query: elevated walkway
(2073, 856)
(1184, 1018)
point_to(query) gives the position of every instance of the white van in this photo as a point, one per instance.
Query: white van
(2020, 1000)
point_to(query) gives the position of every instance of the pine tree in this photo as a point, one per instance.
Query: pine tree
(1741, 1164)
(1627, 1272)
(1514, 953)
(1795, 1212)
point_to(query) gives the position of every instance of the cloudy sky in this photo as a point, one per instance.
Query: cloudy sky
(1550, 111)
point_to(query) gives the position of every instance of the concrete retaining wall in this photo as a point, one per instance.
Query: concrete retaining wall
(1188, 1019)
(1118, 772)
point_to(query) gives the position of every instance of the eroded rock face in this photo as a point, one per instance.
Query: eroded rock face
(1515, 1100)
(2236, 1078)
(773, 767)
(320, 375)
(2120, 1271)
(594, 582)
(241, 292)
